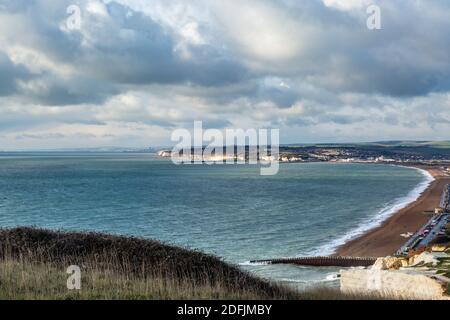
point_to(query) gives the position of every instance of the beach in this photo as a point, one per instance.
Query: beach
(386, 239)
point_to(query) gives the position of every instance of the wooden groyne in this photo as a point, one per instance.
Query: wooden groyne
(322, 261)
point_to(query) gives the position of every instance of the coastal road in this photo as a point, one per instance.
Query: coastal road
(443, 219)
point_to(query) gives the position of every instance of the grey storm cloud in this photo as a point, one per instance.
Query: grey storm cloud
(124, 48)
(294, 63)
(139, 51)
(10, 73)
(409, 56)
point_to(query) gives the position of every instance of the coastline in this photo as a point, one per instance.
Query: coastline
(386, 238)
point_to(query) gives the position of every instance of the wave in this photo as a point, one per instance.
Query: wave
(332, 277)
(379, 218)
(249, 263)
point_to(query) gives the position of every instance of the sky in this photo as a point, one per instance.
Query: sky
(130, 72)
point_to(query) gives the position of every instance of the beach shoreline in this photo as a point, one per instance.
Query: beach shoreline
(386, 238)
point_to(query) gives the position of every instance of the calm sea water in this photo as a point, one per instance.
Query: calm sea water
(229, 210)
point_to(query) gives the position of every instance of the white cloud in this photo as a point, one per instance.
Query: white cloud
(261, 30)
(97, 7)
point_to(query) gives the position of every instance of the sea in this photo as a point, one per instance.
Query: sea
(231, 211)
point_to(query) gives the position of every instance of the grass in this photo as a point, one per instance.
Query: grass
(33, 265)
(21, 280)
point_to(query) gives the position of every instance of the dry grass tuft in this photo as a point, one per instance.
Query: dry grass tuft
(33, 264)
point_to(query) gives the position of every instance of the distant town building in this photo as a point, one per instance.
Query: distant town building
(383, 159)
(164, 153)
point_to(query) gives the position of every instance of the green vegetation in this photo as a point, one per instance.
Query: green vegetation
(443, 267)
(432, 144)
(411, 151)
(33, 265)
(387, 144)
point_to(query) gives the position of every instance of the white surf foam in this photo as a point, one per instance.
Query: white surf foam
(377, 219)
(248, 263)
(328, 278)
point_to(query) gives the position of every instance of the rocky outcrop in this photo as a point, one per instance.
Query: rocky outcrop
(390, 263)
(392, 284)
(420, 276)
(424, 259)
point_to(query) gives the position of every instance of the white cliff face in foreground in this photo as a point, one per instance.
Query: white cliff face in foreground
(422, 276)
